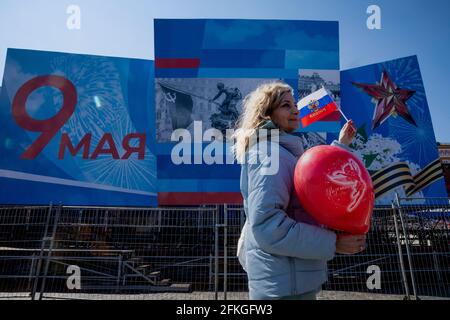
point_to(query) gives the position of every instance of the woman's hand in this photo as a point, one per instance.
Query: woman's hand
(347, 133)
(350, 243)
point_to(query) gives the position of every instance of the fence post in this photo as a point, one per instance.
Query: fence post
(408, 253)
(52, 241)
(216, 253)
(400, 253)
(32, 267)
(119, 273)
(41, 253)
(225, 254)
(210, 272)
(437, 268)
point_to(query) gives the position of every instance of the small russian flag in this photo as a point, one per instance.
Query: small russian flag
(316, 106)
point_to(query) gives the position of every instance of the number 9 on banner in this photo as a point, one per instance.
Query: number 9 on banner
(49, 127)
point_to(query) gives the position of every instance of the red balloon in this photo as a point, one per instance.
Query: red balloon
(335, 188)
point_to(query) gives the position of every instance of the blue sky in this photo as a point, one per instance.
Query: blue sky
(124, 28)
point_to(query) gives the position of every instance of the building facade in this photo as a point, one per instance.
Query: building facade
(444, 154)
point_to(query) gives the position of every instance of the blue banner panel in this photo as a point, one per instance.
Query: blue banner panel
(271, 34)
(76, 129)
(205, 68)
(388, 104)
(237, 58)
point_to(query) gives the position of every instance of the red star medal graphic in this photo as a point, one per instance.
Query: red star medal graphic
(389, 99)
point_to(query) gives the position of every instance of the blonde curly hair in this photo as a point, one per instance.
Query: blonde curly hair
(257, 108)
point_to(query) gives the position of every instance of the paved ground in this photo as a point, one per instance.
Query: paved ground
(324, 295)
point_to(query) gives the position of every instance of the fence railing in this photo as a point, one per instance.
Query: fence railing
(64, 252)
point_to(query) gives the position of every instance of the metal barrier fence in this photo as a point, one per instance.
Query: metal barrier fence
(61, 252)
(424, 241)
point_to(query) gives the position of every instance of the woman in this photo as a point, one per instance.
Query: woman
(284, 251)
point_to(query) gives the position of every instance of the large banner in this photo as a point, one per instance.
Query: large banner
(395, 137)
(77, 129)
(204, 68)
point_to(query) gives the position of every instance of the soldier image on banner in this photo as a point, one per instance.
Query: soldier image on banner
(228, 113)
(216, 103)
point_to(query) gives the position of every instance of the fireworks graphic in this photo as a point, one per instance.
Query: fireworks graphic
(100, 100)
(101, 109)
(417, 142)
(411, 142)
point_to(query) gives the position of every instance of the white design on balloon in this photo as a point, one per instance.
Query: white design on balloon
(350, 176)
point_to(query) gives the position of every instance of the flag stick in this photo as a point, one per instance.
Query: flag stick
(343, 114)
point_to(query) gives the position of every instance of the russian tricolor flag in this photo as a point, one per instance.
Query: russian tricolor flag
(316, 106)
